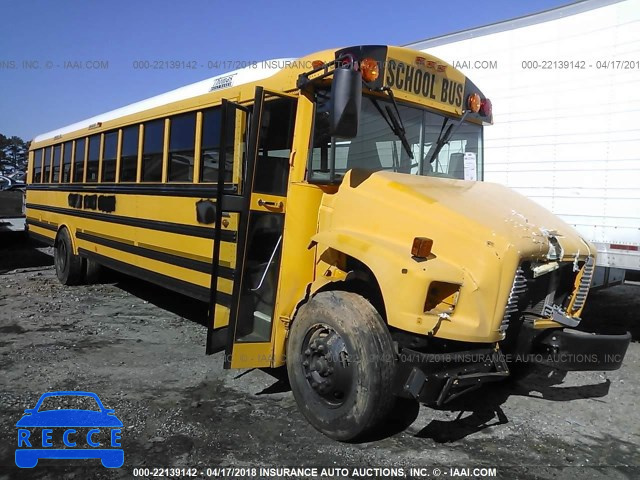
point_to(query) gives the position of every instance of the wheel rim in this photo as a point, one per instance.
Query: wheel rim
(327, 365)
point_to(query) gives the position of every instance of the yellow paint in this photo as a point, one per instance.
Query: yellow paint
(481, 231)
(544, 323)
(441, 80)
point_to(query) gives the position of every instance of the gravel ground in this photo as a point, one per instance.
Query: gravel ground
(141, 349)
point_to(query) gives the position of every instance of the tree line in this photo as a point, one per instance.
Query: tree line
(13, 153)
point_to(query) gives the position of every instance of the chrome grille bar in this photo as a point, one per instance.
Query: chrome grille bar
(585, 283)
(518, 288)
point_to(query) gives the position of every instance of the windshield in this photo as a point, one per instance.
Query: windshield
(377, 147)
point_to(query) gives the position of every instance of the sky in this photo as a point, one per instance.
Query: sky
(47, 46)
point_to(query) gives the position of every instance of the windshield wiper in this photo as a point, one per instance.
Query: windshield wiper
(443, 139)
(394, 121)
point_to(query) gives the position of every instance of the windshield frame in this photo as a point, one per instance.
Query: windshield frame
(334, 177)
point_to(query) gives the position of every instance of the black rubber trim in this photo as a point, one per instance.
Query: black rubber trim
(47, 226)
(179, 228)
(574, 350)
(178, 190)
(191, 264)
(41, 238)
(180, 286)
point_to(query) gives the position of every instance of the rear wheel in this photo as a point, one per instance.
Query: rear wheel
(93, 271)
(341, 364)
(69, 268)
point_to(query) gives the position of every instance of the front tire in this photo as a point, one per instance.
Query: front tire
(341, 365)
(69, 268)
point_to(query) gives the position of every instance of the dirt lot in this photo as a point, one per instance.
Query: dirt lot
(141, 349)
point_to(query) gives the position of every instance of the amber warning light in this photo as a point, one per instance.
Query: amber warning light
(370, 70)
(473, 102)
(421, 247)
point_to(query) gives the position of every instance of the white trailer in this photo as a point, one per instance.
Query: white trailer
(565, 87)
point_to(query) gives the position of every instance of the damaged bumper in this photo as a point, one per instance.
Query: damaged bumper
(574, 350)
(438, 378)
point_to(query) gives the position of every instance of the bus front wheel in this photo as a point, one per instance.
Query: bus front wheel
(69, 268)
(341, 362)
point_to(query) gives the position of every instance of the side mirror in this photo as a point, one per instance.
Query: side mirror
(346, 99)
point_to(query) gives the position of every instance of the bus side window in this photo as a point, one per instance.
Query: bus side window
(129, 154)
(46, 165)
(152, 151)
(210, 155)
(272, 164)
(37, 167)
(78, 169)
(109, 157)
(57, 150)
(182, 138)
(92, 159)
(66, 162)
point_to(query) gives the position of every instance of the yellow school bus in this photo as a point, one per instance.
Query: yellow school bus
(331, 211)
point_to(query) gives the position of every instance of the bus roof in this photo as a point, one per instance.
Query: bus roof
(226, 80)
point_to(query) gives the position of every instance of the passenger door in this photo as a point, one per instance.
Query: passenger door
(262, 207)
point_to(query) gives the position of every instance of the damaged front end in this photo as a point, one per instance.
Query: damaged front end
(542, 310)
(542, 314)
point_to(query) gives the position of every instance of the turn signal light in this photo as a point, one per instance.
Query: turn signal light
(421, 247)
(473, 102)
(317, 64)
(486, 109)
(370, 70)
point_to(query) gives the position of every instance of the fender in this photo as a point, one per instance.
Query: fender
(74, 241)
(403, 280)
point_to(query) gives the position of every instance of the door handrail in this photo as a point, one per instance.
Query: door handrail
(266, 269)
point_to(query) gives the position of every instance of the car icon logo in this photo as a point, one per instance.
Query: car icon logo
(93, 432)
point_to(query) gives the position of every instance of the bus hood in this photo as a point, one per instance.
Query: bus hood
(458, 215)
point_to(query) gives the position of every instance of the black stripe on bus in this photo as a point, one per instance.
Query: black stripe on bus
(179, 261)
(180, 286)
(191, 230)
(46, 226)
(41, 238)
(178, 190)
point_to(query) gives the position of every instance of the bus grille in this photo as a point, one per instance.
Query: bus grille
(585, 283)
(518, 288)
